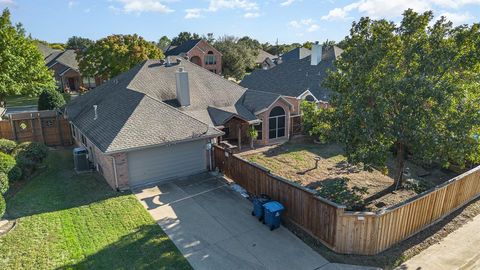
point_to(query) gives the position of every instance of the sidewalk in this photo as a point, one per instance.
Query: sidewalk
(459, 250)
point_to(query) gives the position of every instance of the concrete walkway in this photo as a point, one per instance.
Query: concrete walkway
(459, 250)
(212, 226)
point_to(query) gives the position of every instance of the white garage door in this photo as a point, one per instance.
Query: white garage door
(166, 162)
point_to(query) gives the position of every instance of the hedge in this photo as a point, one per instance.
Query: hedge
(29, 154)
(7, 163)
(50, 99)
(3, 183)
(3, 206)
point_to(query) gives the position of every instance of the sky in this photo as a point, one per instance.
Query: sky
(268, 20)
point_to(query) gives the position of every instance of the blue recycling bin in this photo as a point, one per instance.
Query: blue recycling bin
(258, 202)
(273, 213)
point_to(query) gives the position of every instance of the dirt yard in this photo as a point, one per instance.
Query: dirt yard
(335, 179)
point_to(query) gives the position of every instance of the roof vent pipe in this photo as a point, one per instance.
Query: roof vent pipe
(316, 56)
(95, 111)
(168, 63)
(183, 88)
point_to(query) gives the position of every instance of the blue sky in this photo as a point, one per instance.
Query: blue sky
(267, 20)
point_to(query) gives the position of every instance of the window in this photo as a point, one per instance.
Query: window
(227, 132)
(276, 122)
(88, 82)
(210, 59)
(310, 98)
(258, 128)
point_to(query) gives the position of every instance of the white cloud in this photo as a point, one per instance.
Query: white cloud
(193, 13)
(287, 3)
(139, 6)
(458, 18)
(71, 4)
(7, 2)
(308, 25)
(216, 5)
(251, 15)
(393, 8)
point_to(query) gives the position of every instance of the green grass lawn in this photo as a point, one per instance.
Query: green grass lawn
(13, 101)
(68, 221)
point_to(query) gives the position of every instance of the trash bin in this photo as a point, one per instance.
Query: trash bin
(258, 202)
(273, 213)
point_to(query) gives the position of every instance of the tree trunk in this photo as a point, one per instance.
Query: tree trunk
(399, 164)
(251, 142)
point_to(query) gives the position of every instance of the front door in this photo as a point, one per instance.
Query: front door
(71, 83)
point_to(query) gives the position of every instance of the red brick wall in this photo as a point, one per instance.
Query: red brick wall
(201, 50)
(265, 123)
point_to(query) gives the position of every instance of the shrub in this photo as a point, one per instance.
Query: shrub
(15, 173)
(50, 99)
(7, 146)
(3, 206)
(28, 154)
(7, 163)
(318, 122)
(3, 183)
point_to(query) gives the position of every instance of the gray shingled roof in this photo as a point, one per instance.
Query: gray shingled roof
(294, 77)
(67, 58)
(46, 50)
(182, 48)
(138, 108)
(296, 54)
(262, 55)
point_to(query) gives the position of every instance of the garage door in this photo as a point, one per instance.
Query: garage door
(166, 162)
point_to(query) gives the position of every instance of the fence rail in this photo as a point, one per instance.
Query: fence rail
(363, 233)
(47, 127)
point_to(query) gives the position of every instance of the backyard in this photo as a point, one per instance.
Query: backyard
(335, 179)
(66, 221)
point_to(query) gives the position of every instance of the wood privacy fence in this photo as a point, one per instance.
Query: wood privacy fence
(46, 127)
(363, 233)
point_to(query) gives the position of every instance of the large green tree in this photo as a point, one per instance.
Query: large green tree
(79, 43)
(183, 37)
(237, 56)
(410, 89)
(115, 54)
(163, 43)
(22, 68)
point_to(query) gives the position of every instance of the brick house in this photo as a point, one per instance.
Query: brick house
(67, 74)
(156, 122)
(199, 52)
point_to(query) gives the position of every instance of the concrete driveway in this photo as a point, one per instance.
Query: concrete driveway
(212, 226)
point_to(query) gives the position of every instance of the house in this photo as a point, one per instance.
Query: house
(64, 64)
(157, 121)
(298, 78)
(296, 54)
(200, 52)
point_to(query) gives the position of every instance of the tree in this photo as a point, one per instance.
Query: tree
(209, 38)
(22, 68)
(115, 54)
(411, 88)
(79, 43)
(318, 122)
(236, 57)
(183, 37)
(252, 134)
(50, 100)
(163, 43)
(57, 46)
(308, 45)
(251, 43)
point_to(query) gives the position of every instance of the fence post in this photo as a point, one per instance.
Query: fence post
(14, 130)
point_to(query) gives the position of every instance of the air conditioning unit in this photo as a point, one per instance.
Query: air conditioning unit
(80, 159)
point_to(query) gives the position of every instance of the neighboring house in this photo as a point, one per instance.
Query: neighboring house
(297, 78)
(199, 52)
(65, 67)
(156, 121)
(296, 54)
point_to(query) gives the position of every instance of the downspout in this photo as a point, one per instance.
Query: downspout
(115, 173)
(210, 155)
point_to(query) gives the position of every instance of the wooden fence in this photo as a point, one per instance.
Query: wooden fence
(47, 127)
(363, 233)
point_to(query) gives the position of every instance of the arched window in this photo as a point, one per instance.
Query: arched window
(276, 121)
(210, 58)
(310, 98)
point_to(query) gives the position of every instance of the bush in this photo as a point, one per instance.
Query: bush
(3, 206)
(7, 163)
(28, 154)
(15, 173)
(7, 146)
(318, 122)
(50, 99)
(3, 183)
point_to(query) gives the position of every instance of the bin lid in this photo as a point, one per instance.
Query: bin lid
(274, 206)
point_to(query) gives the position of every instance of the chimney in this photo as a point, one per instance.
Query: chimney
(183, 90)
(316, 56)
